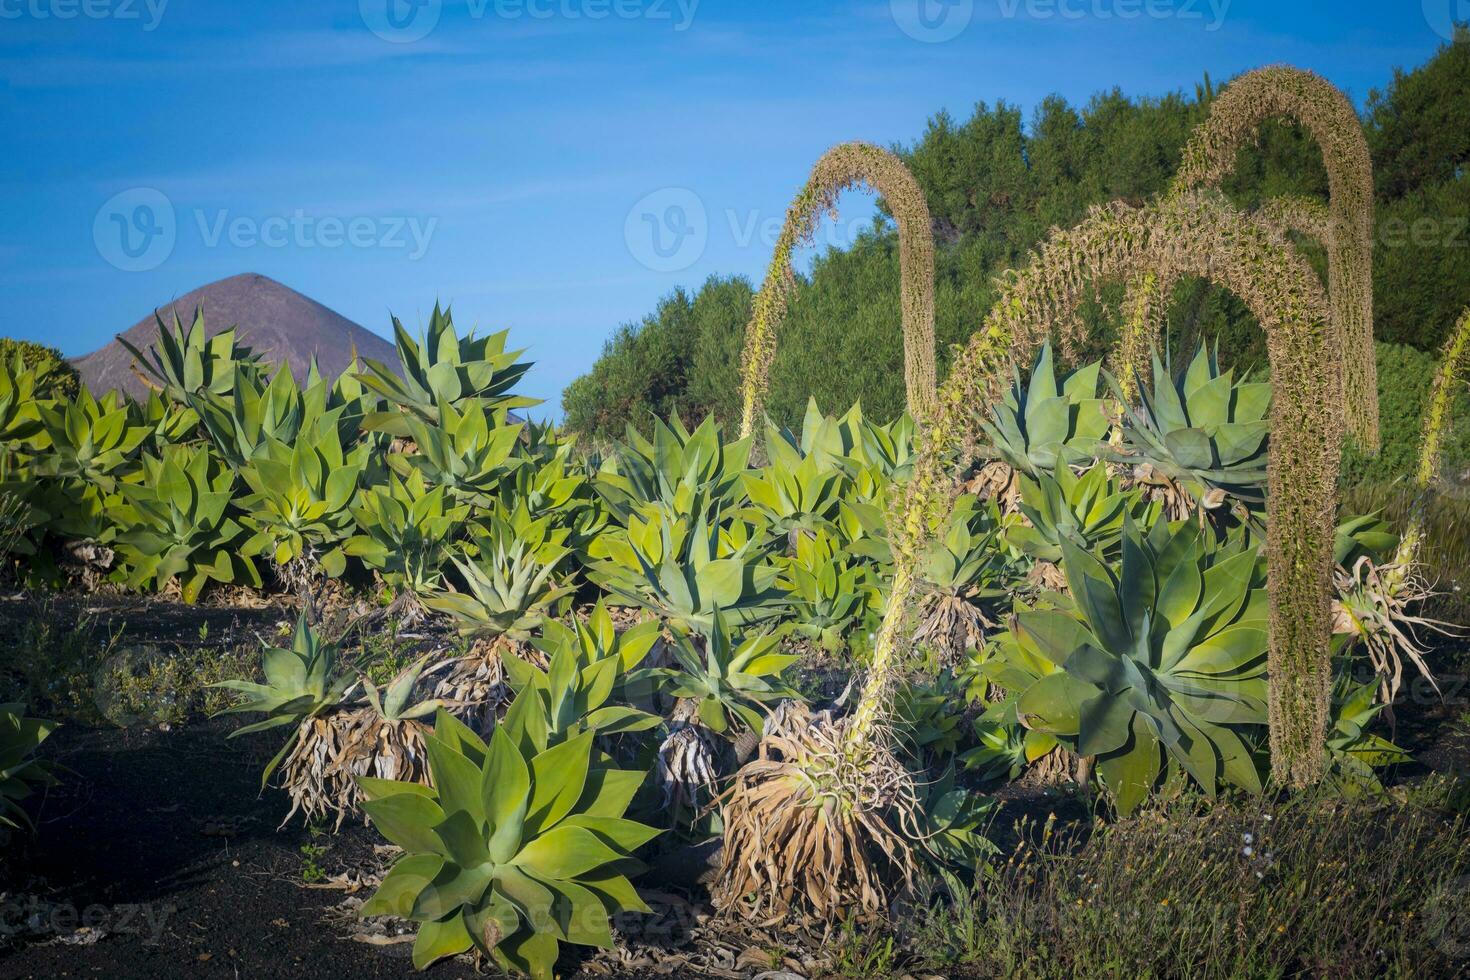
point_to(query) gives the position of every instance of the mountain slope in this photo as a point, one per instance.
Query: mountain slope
(277, 321)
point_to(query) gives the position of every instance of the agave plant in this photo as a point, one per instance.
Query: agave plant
(1353, 752)
(684, 572)
(301, 682)
(965, 568)
(1049, 421)
(685, 473)
(513, 849)
(1204, 434)
(19, 405)
(1004, 748)
(243, 423)
(928, 715)
(1087, 509)
(176, 524)
(1161, 661)
(584, 687)
(1010, 664)
(90, 440)
(795, 494)
(467, 453)
(728, 677)
(299, 504)
(406, 532)
(512, 588)
(166, 421)
(396, 701)
(443, 370)
(21, 773)
(550, 482)
(188, 362)
(825, 591)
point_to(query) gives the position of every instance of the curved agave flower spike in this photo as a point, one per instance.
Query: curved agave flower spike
(840, 168)
(1202, 236)
(1448, 380)
(1318, 106)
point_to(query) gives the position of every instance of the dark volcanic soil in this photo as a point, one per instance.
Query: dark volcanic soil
(163, 841)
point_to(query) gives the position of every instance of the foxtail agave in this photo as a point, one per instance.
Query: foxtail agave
(177, 524)
(1201, 439)
(1162, 661)
(728, 676)
(1049, 421)
(185, 362)
(406, 532)
(965, 568)
(685, 572)
(443, 370)
(513, 586)
(514, 848)
(1088, 509)
(299, 504)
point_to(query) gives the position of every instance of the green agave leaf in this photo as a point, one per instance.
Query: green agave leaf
(407, 819)
(609, 792)
(1190, 447)
(455, 887)
(625, 835)
(582, 916)
(1130, 774)
(558, 778)
(564, 852)
(1054, 704)
(505, 792)
(401, 886)
(456, 778)
(438, 939)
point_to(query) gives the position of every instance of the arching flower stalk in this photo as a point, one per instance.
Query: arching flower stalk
(840, 168)
(836, 789)
(1324, 111)
(1144, 309)
(1377, 603)
(1201, 235)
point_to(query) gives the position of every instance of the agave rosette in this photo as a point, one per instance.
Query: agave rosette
(1162, 661)
(514, 849)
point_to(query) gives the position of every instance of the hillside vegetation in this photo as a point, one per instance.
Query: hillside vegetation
(995, 184)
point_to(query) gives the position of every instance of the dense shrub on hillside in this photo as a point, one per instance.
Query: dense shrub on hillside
(55, 375)
(997, 182)
(681, 360)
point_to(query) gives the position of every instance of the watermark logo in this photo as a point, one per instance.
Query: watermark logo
(136, 230)
(1211, 12)
(147, 12)
(400, 21)
(404, 21)
(1443, 15)
(667, 231)
(932, 21)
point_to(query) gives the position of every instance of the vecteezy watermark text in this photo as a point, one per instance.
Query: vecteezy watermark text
(405, 21)
(1211, 12)
(137, 230)
(148, 12)
(934, 21)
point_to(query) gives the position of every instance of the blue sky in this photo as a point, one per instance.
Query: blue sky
(551, 166)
